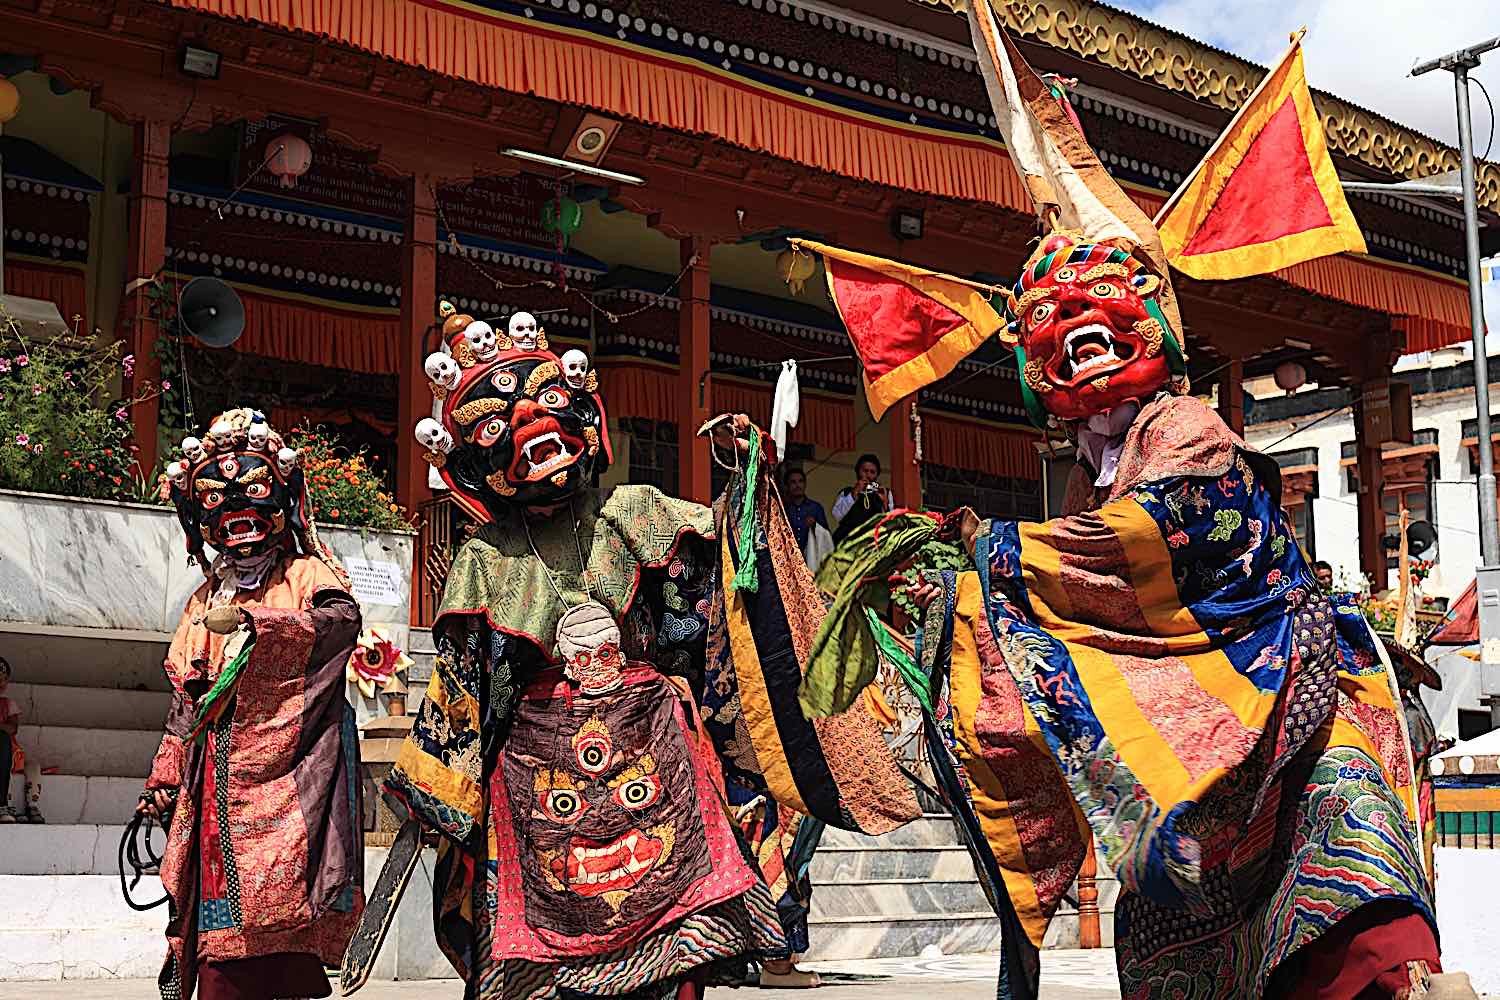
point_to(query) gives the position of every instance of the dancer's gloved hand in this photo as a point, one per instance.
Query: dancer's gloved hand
(224, 619)
(729, 431)
(155, 802)
(919, 590)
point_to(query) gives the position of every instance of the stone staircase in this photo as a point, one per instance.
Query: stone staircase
(92, 709)
(912, 890)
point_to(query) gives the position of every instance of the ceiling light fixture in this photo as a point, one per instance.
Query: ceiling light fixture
(580, 168)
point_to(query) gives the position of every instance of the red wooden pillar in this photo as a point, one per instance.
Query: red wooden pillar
(145, 256)
(1232, 396)
(1089, 935)
(1371, 468)
(906, 472)
(418, 313)
(694, 479)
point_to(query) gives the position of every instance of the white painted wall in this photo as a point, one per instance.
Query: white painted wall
(1336, 512)
(1454, 501)
(1466, 881)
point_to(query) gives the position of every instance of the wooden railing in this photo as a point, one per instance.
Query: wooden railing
(444, 526)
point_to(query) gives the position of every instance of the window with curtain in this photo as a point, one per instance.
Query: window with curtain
(1299, 486)
(946, 488)
(653, 452)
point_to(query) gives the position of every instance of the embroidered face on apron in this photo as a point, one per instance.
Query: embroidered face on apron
(603, 797)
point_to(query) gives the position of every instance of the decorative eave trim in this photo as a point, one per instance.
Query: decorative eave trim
(1149, 52)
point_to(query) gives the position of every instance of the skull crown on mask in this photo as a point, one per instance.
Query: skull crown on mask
(520, 426)
(239, 489)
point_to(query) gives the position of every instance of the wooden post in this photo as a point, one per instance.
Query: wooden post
(1371, 470)
(906, 472)
(418, 313)
(1088, 900)
(146, 255)
(694, 479)
(1232, 396)
(414, 398)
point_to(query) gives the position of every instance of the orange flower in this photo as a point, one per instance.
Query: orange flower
(334, 512)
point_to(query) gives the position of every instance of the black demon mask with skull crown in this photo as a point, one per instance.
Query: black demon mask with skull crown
(520, 426)
(240, 489)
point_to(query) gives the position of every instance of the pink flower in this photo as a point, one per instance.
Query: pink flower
(4, 365)
(23, 360)
(121, 415)
(36, 390)
(129, 363)
(166, 385)
(23, 439)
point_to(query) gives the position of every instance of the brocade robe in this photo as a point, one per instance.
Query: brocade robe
(1159, 669)
(586, 843)
(265, 852)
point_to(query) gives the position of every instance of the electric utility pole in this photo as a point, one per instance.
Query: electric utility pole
(1488, 576)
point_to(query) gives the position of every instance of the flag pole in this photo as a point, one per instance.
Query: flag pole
(1488, 578)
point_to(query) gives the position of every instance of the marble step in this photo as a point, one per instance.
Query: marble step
(928, 831)
(78, 927)
(90, 707)
(74, 798)
(115, 753)
(63, 848)
(115, 664)
(836, 864)
(62, 902)
(897, 898)
(844, 938)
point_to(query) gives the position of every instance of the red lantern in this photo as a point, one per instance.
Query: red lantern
(1290, 376)
(288, 157)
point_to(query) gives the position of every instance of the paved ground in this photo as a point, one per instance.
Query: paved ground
(1066, 975)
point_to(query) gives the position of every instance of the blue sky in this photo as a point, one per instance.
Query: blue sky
(1360, 50)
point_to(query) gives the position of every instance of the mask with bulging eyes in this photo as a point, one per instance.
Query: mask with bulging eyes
(238, 496)
(522, 434)
(1092, 335)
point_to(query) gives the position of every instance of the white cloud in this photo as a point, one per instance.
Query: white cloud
(1360, 50)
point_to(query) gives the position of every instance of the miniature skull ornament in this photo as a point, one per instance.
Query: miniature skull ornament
(193, 449)
(523, 332)
(433, 436)
(481, 337)
(575, 365)
(286, 461)
(259, 436)
(177, 473)
(442, 370)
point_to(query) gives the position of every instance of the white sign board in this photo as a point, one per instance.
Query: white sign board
(375, 581)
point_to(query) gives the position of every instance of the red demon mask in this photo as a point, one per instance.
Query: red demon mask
(1091, 335)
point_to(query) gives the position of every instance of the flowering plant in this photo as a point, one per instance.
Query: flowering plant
(343, 488)
(59, 431)
(1421, 569)
(1381, 614)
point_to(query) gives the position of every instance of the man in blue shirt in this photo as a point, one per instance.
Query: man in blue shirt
(801, 510)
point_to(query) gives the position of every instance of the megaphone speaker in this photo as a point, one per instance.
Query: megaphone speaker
(212, 312)
(1420, 536)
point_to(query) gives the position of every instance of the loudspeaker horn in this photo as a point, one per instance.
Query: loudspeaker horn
(212, 312)
(1420, 536)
